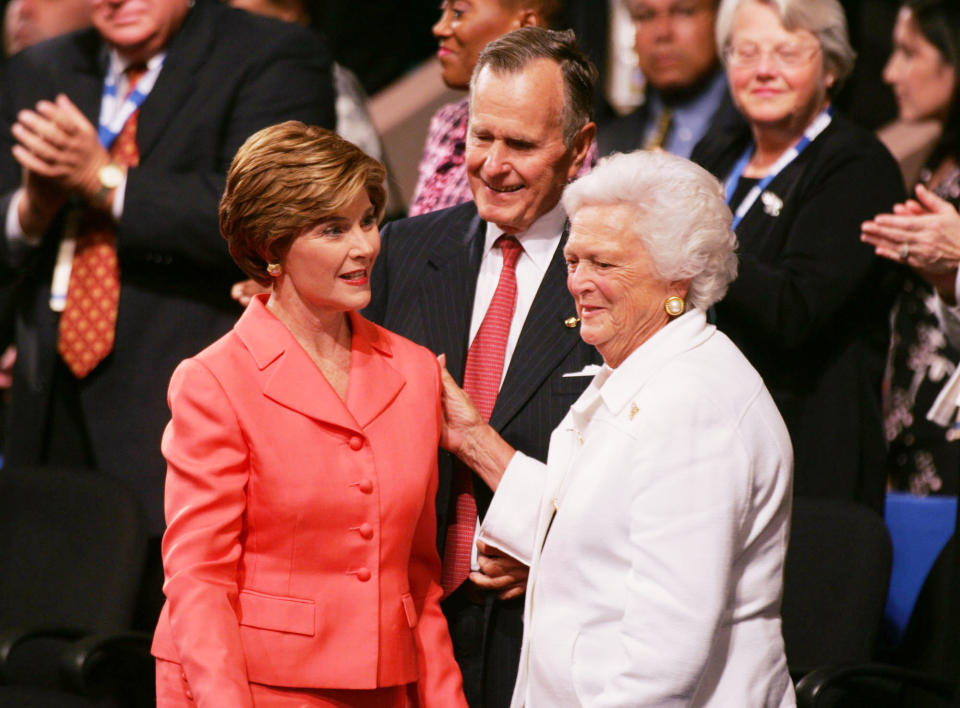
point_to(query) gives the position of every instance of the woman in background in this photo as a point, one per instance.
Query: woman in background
(810, 305)
(463, 30)
(300, 559)
(924, 457)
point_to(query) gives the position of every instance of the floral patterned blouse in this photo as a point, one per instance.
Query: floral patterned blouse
(924, 458)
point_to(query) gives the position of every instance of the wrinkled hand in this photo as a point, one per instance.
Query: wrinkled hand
(460, 416)
(500, 573)
(244, 291)
(923, 233)
(57, 142)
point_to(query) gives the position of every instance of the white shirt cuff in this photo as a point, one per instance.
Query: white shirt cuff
(119, 194)
(15, 232)
(511, 521)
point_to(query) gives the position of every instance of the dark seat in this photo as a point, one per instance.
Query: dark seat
(926, 668)
(73, 545)
(835, 584)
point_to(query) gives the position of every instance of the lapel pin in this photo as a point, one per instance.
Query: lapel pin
(772, 204)
(571, 322)
(633, 411)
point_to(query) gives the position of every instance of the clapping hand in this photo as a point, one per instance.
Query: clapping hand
(61, 154)
(56, 141)
(924, 233)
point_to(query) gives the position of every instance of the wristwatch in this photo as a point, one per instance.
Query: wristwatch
(110, 176)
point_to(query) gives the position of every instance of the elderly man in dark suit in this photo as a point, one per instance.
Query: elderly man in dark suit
(111, 173)
(484, 284)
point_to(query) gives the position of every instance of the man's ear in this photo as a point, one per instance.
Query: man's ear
(531, 18)
(581, 146)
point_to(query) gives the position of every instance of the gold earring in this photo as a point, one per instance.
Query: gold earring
(274, 269)
(674, 306)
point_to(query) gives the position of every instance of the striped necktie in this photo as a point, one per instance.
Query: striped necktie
(481, 381)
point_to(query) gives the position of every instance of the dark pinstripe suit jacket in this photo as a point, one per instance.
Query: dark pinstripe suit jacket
(423, 287)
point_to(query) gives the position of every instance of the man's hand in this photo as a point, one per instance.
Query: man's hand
(57, 143)
(460, 416)
(468, 436)
(244, 291)
(500, 573)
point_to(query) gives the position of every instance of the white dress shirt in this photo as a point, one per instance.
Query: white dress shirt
(539, 243)
(660, 581)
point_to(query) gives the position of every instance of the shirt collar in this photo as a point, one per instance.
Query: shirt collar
(616, 387)
(118, 64)
(539, 241)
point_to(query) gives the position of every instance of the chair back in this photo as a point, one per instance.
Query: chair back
(73, 544)
(835, 583)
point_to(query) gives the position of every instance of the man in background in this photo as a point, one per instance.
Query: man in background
(112, 163)
(686, 88)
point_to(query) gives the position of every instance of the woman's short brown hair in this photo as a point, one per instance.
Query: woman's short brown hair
(283, 180)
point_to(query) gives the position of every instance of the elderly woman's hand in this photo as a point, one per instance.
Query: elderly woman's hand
(500, 573)
(923, 233)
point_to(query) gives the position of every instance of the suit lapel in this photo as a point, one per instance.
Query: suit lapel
(290, 376)
(374, 383)
(544, 341)
(86, 89)
(450, 282)
(185, 54)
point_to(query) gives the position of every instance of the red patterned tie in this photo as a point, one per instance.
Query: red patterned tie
(88, 323)
(481, 380)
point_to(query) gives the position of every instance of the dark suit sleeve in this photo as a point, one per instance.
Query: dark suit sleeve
(170, 210)
(822, 266)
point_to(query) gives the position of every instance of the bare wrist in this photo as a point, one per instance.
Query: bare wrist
(486, 453)
(34, 218)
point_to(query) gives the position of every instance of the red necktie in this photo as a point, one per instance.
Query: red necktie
(88, 323)
(481, 380)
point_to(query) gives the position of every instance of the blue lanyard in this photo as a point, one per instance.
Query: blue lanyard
(816, 127)
(113, 119)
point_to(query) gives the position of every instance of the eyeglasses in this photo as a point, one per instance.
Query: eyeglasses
(749, 54)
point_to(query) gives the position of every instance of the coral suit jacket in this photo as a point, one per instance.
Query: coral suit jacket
(300, 547)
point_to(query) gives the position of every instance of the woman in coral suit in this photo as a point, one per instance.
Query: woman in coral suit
(299, 557)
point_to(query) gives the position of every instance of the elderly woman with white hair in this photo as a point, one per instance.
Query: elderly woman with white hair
(810, 307)
(656, 531)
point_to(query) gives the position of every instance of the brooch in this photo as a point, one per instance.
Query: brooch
(772, 204)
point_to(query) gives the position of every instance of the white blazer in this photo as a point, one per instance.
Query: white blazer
(660, 580)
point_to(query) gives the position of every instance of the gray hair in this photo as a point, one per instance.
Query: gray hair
(825, 19)
(681, 217)
(511, 53)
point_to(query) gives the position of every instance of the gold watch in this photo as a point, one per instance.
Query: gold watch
(110, 176)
